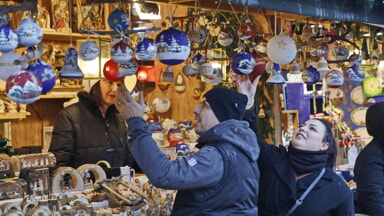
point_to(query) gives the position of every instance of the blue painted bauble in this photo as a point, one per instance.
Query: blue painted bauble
(29, 32)
(173, 46)
(88, 51)
(334, 78)
(243, 63)
(45, 73)
(197, 60)
(23, 87)
(121, 52)
(311, 75)
(8, 39)
(118, 20)
(145, 50)
(355, 73)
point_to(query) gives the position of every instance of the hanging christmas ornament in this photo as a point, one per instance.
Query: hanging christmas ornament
(45, 73)
(320, 50)
(355, 73)
(88, 50)
(260, 65)
(128, 68)
(111, 71)
(322, 67)
(29, 32)
(310, 75)
(334, 79)
(71, 67)
(243, 63)
(23, 87)
(246, 31)
(341, 52)
(196, 35)
(8, 65)
(197, 60)
(294, 74)
(145, 50)
(121, 52)
(180, 84)
(281, 49)
(216, 76)
(8, 39)
(225, 37)
(307, 31)
(118, 20)
(261, 46)
(173, 46)
(188, 70)
(261, 113)
(275, 76)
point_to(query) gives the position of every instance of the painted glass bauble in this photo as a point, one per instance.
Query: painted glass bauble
(334, 78)
(261, 46)
(355, 73)
(173, 46)
(281, 49)
(243, 63)
(161, 104)
(320, 50)
(188, 70)
(29, 32)
(206, 69)
(260, 65)
(246, 31)
(8, 65)
(121, 52)
(88, 51)
(145, 50)
(71, 67)
(197, 60)
(8, 39)
(128, 68)
(23, 87)
(111, 71)
(310, 75)
(197, 36)
(118, 20)
(225, 38)
(45, 73)
(215, 77)
(341, 53)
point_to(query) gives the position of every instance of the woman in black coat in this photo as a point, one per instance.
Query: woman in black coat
(91, 130)
(369, 165)
(286, 173)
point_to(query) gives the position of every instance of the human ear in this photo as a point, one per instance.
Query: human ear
(324, 146)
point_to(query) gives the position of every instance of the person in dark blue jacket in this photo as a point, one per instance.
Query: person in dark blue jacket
(369, 165)
(222, 178)
(285, 173)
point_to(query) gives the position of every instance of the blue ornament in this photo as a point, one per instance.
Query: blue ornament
(355, 73)
(8, 39)
(45, 73)
(173, 46)
(145, 50)
(311, 75)
(118, 20)
(243, 63)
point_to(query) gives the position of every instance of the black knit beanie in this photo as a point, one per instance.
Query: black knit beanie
(226, 104)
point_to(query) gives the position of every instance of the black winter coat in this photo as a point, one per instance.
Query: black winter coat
(278, 189)
(369, 166)
(81, 135)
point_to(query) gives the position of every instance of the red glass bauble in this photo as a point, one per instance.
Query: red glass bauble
(111, 71)
(259, 66)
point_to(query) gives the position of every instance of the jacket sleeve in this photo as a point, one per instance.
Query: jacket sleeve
(202, 169)
(267, 151)
(369, 177)
(62, 143)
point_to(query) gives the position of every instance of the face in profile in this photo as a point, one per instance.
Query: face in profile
(205, 117)
(310, 136)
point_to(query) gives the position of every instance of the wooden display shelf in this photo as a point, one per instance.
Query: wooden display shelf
(9, 116)
(67, 36)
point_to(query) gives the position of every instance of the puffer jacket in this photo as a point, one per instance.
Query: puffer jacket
(369, 166)
(81, 135)
(219, 179)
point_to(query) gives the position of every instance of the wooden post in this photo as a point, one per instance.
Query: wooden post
(277, 120)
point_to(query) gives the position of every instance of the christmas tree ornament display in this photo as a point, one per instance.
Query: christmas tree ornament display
(45, 73)
(88, 51)
(23, 87)
(334, 78)
(243, 63)
(29, 32)
(121, 52)
(9, 40)
(146, 50)
(111, 71)
(281, 49)
(118, 20)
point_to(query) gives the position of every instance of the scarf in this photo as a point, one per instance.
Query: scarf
(307, 161)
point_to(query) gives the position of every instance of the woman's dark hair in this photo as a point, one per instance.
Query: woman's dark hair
(328, 137)
(95, 94)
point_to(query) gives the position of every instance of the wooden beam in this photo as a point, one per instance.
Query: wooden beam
(26, 5)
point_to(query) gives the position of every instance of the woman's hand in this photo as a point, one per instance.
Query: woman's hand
(248, 88)
(127, 106)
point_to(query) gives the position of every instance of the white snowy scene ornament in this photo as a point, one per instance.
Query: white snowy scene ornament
(88, 51)
(243, 63)
(121, 52)
(173, 46)
(281, 49)
(8, 39)
(23, 87)
(145, 50)
(29, 32)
